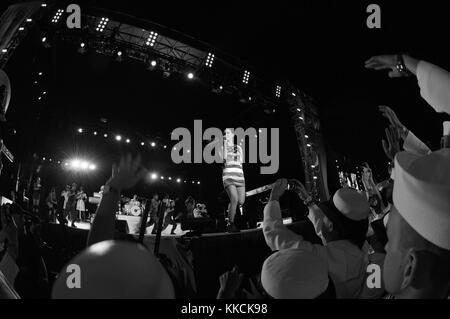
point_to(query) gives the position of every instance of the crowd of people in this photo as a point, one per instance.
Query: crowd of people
(391, 240)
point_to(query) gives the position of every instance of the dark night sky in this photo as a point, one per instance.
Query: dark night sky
(320, 46)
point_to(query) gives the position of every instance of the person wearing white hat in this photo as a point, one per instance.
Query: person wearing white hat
(417, 263)
(296, 274)
(114, 270)
(341, 222)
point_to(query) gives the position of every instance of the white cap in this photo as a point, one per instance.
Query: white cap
(352, 204)
(422, 194)
(294, 274)
(114, 270)
(446, 125)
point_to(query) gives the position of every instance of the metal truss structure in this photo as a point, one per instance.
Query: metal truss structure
(169, 51)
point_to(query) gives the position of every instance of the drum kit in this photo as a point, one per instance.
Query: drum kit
(132, 207)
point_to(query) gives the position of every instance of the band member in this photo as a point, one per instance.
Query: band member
(233, 177)
(166, 201)
(81, 202)
(169, 217)
(153, 212)
(52, 204)
(37, 188)
(71, 205)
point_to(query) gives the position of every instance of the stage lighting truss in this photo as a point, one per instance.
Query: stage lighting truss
(57, 16)
(209, 60)
(278, 91)
(151, 38)
(246, 77)
(102, 24)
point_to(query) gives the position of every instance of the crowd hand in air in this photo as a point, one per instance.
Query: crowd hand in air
(388, 113)
(392, 145)
(385, 62)
(127, 174)
(230, 283)
(299, 188)
(253, 292)
(278, 189)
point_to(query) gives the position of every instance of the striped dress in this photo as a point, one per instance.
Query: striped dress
(232, 173)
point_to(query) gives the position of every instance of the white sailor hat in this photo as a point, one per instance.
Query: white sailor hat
(422, 194)
(294, 274)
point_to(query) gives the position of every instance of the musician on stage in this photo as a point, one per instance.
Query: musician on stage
(232, 177)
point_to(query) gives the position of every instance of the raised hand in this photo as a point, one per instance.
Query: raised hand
(392, 145)
(384, 62)
(230, 282)
(127, 174)
(388, 113)
(278, 189)
(299, 188)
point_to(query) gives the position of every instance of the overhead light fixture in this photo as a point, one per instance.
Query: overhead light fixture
(209, 60)
(246, 77)
(278, 91)
(80, 130)
(82, 48)
(118, 138)
(102, 24)
(57, 16)
(154, 176)
(190, 75)
(127, 140)
(105, 135)
(151, 39)
(153, 144)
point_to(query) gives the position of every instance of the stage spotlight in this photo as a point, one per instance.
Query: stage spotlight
(44, 92)
(198, 183)
(44, 39)
(153, 63)
(21, 28)
(301, 118)
(4, 50)
(154, 176)
(165, 146)
(308, 145)
(246, 77)
(142, 143)
(29, 20)
(209, 60)
(40, 73)
(193, 182)
(153, 144)
(293, 94)
(118, 138)
(95, 133)
(127, 140)
(170, 178)
(150, 65)
(190, 75)
(314, 177)
(298, 110)
(43, 158)
(82, 48)
(105, 135)
(43, 5)
(178, 180)
(80, 130)
(119, 55)
(102, 24)
(306, 136)
(57, 16)
(92, 167)
(66, 164)
(278, 91)
(75, 163)
(162, 177)
(84, 165)
(151, 38)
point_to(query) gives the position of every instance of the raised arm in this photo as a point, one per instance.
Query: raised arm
(434, 81)
(276, 234)
(125, 176)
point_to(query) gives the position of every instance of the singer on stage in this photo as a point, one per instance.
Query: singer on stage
(233, 177)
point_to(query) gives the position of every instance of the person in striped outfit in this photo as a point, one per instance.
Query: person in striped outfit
(233, 177)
